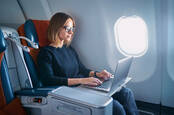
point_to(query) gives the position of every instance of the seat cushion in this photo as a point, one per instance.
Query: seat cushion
(41, 27)
(1, 56)
(36, 31)
(2, 112)
(2, 97)
(14, 108)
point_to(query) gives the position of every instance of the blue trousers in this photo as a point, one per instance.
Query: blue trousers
(124, 103)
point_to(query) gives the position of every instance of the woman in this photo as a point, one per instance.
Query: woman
(59, 64)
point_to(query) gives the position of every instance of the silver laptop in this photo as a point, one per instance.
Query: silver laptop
(121, 73)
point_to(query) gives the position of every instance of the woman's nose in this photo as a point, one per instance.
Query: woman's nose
(70, 32)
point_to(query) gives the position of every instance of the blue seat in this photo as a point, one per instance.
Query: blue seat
(60, 100)
(9, 104)
(35, 30)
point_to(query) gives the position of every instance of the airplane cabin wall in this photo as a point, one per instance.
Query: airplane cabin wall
(10, 13)
(35, 9)
(94, 39)
(168, 54)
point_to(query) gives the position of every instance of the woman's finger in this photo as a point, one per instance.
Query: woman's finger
(92, 84)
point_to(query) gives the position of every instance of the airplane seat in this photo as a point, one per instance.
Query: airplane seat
(40, 100)
(9, 104)
(35, 30)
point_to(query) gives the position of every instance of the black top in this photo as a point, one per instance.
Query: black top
(56, 65)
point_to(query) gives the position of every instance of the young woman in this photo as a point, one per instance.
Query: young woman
(59, 64)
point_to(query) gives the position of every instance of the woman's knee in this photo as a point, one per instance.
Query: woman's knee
(126, 92)
(124, 96)
(118, 109)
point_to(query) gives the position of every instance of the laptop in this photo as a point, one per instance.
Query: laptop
(121, 73)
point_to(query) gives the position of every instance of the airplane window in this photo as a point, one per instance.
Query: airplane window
(131, 36)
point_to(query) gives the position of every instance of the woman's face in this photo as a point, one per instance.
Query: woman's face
(67, 31)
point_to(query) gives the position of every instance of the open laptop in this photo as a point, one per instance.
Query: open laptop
(121, 73)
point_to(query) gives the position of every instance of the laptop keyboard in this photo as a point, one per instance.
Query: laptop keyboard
(105, 84)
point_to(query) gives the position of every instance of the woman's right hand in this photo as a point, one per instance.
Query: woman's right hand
(91, 81)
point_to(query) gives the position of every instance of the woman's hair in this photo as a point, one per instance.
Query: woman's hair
(57, 21)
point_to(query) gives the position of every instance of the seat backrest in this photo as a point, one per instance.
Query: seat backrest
(8, 103)
(36, 31)
(6, 85)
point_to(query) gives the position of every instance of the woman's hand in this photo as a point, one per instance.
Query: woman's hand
(91, 81)
(104, 75)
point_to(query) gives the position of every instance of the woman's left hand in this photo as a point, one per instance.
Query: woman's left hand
(104, 75)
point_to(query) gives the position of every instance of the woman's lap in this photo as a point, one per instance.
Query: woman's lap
(124, 101)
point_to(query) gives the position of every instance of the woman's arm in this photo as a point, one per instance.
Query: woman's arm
(103, 74)
(91, 73)
(82, 69)
(46, 74)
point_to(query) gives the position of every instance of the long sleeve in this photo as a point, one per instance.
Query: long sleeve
(56, 65)
(83, 70)
(46, 73)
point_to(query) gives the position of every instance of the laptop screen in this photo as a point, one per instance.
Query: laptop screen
(122, 69)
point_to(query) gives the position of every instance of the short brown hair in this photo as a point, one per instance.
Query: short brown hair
(57, 21)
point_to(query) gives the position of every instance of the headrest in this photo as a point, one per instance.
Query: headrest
(2, 42)
(36, 31)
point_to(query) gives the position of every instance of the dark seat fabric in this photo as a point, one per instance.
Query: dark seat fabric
(9, 105)
(36, 31)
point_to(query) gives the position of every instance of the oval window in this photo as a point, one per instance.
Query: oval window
(131, 36)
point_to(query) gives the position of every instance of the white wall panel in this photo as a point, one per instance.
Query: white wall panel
(36, 9)
(168, 74)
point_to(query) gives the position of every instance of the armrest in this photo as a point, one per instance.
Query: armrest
(81, 97)
(33, 92)
(43, 91)
(48, 88)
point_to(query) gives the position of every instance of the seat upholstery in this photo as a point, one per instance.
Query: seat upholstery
(9, 105)
(2, 48)
(36, 31)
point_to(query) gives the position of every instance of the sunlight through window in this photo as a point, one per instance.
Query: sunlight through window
(131, 36)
